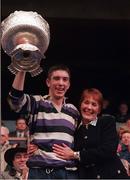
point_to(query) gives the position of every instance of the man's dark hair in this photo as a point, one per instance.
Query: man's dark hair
(58, 67)
(22, 117)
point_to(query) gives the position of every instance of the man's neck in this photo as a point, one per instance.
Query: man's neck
(57, 103)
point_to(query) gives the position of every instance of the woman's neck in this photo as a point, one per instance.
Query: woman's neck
(86, 121)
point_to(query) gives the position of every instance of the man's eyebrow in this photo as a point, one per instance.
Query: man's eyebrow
(61, 77)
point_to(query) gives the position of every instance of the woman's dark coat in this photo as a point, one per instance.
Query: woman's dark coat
(98, 145)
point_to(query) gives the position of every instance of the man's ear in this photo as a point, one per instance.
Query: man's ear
(68, 85)
(47, 82)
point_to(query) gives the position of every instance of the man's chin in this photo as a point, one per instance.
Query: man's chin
(21, 168)
(59, 97)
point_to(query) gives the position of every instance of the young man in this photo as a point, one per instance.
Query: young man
(51, 120)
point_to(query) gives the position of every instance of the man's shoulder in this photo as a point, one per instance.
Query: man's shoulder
(12, 133)
(41, 98)
(69, 105)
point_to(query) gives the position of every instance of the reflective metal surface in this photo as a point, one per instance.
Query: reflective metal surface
(25, 38)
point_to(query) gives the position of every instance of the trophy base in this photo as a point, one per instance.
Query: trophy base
(34, 72)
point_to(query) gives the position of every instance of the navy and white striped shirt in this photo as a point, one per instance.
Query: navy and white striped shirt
(47, 126)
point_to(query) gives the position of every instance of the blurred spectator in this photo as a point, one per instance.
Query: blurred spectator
(21, 128)
(106, 109)
(122, 114)
(4, 142)
(2, 123)
(123, 149)
(16, 158)
(121, 129)
(128, 122)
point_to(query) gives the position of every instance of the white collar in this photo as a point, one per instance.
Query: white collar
(93, 123)
(18, 175)
(48, 97)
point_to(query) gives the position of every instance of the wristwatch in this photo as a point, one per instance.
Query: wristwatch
(77, 155)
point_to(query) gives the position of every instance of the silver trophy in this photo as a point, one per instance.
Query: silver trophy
(25, 37)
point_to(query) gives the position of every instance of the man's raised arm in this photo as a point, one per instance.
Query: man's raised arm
(18, 82)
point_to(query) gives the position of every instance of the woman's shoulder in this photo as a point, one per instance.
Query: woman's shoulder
(106, 119)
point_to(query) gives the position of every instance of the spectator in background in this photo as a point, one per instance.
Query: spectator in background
(128, 122)
(123, 149)
(2, 123)
(21, 128)
(122, 114)
(4, 142)
(16, 159)
(121, 129)
(106, 108)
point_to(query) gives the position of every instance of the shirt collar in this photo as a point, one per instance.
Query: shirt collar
(48, 97)
(18, 175)
(93, 123)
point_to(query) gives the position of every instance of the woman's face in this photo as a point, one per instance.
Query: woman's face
(89, 108)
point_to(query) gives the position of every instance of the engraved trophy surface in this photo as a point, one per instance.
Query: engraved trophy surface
(25, 37)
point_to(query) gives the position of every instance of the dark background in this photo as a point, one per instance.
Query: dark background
(92, 38)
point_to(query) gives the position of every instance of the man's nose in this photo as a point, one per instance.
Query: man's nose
(61, 81)
(23, 159)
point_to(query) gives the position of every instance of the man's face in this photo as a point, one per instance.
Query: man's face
(4, 138)
(20, 160)
(58, 83)
(21, 125)
(123, 108)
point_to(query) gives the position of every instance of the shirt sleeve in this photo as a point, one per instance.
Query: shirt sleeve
(19, 101)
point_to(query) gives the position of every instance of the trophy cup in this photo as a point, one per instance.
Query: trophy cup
(25, 38)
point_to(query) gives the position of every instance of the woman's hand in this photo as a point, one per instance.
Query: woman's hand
(63, 152)
(32, 148)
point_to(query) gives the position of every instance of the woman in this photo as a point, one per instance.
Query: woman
(96, 141)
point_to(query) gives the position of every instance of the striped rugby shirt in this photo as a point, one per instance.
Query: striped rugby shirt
(47, 126)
